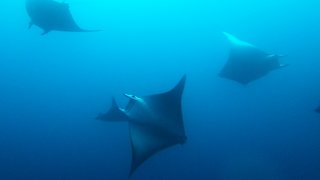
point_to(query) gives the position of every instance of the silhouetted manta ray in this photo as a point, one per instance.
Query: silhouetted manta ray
(155, 122)
(50, 15)
(247, 63)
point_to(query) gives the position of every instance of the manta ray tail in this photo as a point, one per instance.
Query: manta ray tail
(114, 113)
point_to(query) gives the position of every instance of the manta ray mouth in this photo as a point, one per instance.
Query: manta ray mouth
(133, 97)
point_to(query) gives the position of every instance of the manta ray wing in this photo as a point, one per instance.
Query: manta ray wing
(162, 128)
(114, 114)
(65, 21)
(146, 141)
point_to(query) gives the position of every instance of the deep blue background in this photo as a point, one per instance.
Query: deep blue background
(53, 86)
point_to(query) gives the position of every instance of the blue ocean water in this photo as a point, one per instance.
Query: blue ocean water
(52, 87)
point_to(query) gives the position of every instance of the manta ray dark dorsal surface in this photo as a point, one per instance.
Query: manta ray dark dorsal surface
(162, 131)
(247, 63)
(155, 122)
(50, 15)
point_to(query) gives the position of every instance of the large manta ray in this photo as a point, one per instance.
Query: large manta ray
(247, 63)
(155, 122)
(50, 15)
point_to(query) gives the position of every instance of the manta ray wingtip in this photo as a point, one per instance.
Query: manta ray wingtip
(183, 79)
(180, 86)
(132, 170)
(113, 114)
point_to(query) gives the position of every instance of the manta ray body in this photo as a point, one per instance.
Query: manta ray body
(155, 122)
(50, 15)
(247, 63)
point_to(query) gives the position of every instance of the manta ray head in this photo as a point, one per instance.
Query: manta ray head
(273, 61)
(133, 97)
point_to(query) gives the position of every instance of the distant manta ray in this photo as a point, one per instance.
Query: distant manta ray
(317, 109)
(155, 122)
(50, 15)
(247, 63)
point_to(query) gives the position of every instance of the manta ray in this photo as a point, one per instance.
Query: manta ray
(247, 63)
(155, 122)
(50, 15)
